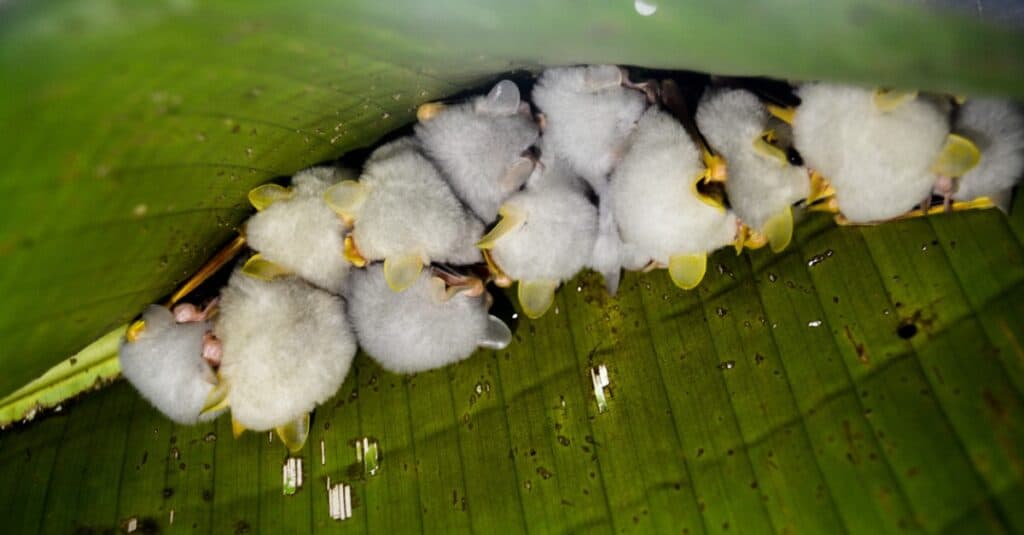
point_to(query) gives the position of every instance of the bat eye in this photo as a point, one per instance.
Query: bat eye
(793, 157)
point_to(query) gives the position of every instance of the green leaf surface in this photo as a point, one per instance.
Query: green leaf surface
(778, 397)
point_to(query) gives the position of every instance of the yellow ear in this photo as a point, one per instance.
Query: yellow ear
(536, 297)
(134, 330)
(715, 165)
(686, 271)
(706, 199)
(263, 196)
(294, 433)
(784, 114)
(890, 99)
(959, 155)
(779, 230)
(511, 219)
(237, 428)
(217, 399)
(258, 267)
(401, 272)
(764, 147)
(346, 198)
(351, 252)
(428, 111)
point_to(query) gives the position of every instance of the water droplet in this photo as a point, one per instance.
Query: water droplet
(210, 437)
(645, 8)
(772, 277)
(248, 152)
(819, 258)
(814, 323)
(140, 210)
(721, 312)
(727, 365)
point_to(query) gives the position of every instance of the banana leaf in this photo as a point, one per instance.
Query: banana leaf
(866, 380)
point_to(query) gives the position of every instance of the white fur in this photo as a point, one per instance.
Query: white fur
(586, 127)
(412, 331)
(557, 239)
(997, 128)
(410, 209)
(878, 162)
(475, 148)
(758, 187)
(656, 211)
(165, 364)
(287, 347)
(302, 233)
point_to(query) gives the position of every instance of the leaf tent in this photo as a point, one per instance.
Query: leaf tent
(866, 380)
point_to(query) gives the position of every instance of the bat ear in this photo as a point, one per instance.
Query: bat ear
(687, 271)
(294, 433)
(502, 100)
(536, 297)
(497, 336)
(959, 155)
(886, 100)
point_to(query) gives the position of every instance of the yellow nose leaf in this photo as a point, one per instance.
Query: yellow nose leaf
(704, 198)
(260, 268)
(717, 169)
(351, 252)
(346, 198)
(536, 297)
(741, 238)
(263, 196)
(401, 272)
(890, 99)
(511, 220)
(779, 230)
(959, 155)
(294, 433)
(687, 270)
(821, 188)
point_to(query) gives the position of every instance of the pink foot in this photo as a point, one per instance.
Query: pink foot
(211, 349)
(188, 313)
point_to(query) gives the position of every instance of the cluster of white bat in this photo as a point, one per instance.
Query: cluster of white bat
(604, 176)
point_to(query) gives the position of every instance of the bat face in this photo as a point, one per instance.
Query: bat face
(297, 231)
(404, 213)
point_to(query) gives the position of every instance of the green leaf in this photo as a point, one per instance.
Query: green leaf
(782, 395)
(778, 396)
